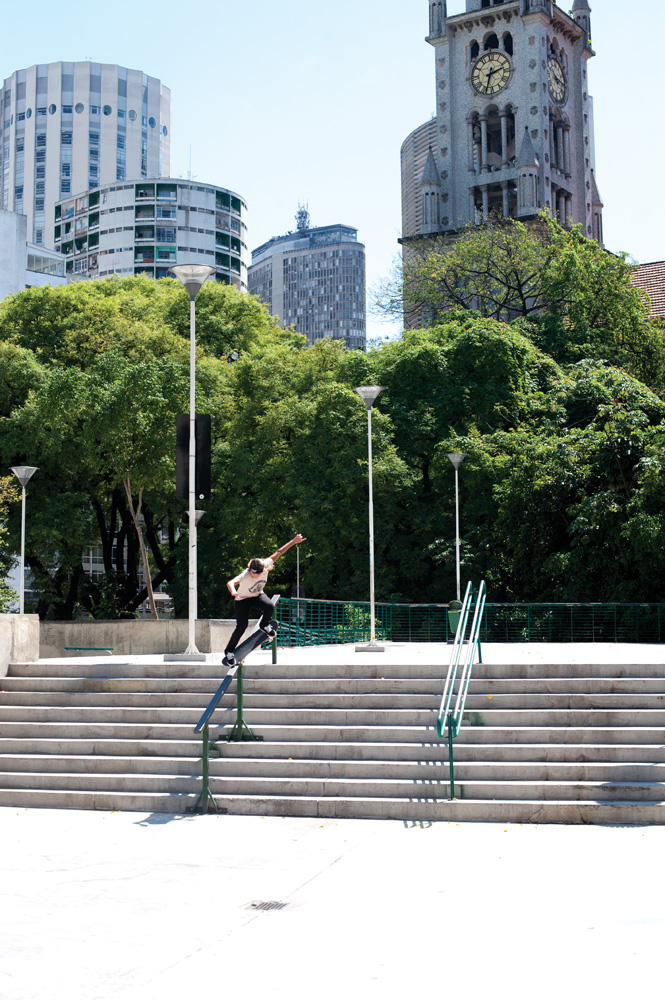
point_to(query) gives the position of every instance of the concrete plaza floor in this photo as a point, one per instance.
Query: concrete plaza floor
(133, 906)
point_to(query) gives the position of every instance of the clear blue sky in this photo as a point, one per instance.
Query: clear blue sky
(298, 100)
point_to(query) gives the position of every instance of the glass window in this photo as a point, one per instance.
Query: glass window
(79, 108)
(66, 109)
(66, 138)
(107, 109)
(52, 109)
(28, 113)
(95, 109)
(132, 115)
(151, 122)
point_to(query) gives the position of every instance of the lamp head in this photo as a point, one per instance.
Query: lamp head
(456, 457)
(368, 393)
(24, 473)
(192, 276)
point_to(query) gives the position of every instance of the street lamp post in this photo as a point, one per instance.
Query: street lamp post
(368, 394)
(192, 277)
(456, 458)
(24, 474)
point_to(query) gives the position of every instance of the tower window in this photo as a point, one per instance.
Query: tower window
(492, 42)
(475, 49)
(508, 43)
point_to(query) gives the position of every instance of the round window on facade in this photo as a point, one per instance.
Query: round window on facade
(28, 113)
(52, 109)
(132, 115)
(107, 109)
(79, 108)
(165, 131)
(11, 120)
(151, 122)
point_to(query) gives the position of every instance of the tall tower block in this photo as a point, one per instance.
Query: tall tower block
(511, 86)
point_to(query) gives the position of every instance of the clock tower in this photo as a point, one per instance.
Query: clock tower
(513, 130)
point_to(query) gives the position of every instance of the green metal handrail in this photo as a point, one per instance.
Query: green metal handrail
(472, 600)
(453, 718)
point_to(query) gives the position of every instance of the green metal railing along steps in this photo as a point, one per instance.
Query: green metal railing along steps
(464, 648)
(306, 622)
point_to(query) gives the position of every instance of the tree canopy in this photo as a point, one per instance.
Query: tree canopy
(563, 431)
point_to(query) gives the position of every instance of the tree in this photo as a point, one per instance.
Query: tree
(108, 354)
(565, 292)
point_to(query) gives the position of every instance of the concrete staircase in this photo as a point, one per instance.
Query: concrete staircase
(543, 743)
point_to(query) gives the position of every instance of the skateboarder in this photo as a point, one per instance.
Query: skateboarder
(247, 589)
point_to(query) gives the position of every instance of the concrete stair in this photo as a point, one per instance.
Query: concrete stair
(539, 743)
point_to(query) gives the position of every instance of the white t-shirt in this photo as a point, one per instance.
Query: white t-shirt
(252, 586)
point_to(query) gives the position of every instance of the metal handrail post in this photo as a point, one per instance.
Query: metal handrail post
(451, 762)
(241, 731)
(206, 796)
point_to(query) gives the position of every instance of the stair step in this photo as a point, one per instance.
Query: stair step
(539, 742)
(625, 811)
(73, 701)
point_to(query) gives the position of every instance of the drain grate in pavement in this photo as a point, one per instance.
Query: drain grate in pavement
(266, 904)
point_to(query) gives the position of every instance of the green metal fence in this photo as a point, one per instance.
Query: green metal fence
(306, 622)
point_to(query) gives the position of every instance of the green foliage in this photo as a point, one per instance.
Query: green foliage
(561, 492)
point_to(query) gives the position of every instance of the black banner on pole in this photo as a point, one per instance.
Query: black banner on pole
(203, 445)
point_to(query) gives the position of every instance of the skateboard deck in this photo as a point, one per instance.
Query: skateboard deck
(252, 642)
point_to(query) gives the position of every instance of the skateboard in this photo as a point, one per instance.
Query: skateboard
(252, 642)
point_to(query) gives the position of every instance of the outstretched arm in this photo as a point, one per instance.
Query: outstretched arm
(296, 540)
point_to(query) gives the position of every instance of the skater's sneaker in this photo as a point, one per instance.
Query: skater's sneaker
(229, 660)
(270, 630)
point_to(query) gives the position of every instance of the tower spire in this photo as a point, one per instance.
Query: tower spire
(581, 13)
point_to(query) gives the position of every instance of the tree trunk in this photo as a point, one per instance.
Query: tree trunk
(144, 552)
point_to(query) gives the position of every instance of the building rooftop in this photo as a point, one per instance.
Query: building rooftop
(302, 238)
(651, 277)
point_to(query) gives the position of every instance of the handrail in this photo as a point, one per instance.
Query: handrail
(240, 731)
(474, 642)
(453, 718)
(453, 663)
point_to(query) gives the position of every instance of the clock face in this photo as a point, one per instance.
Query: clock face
(556, 81)
(491, 72)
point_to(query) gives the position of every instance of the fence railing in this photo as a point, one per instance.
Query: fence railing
(306, 622)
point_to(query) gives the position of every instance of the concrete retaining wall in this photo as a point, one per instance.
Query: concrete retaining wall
(137, 637)
(19, 640)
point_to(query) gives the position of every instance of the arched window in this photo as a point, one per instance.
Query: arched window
(491, 42)
(474, 49)
(508, 43)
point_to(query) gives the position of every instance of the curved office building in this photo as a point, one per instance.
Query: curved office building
(71, 126)
(144, 227)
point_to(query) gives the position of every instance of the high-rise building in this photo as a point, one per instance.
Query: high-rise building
(147, 226)
(314, 279)
(513, 132)
(71, 126)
